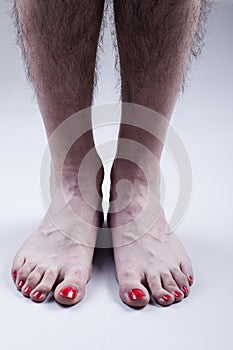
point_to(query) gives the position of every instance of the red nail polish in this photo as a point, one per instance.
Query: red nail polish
(167, 297)
(178, 294)
(68, 292)
(20, 284)
(14, 275)
(28, 290)
(136, 294)
(37, 295)
(185, 290)
(190, 278)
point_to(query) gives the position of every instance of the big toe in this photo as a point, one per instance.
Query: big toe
(134, 294)
(71, 290)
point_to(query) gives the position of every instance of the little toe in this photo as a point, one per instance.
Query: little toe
(161, 295)
(133, 293)
(181, 281)
(69, 292)
(72, 289)
(186, 268)
(23, 274)
(171, 286)
(18, 262)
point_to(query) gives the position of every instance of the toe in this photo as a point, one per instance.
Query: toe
(171, 286)
(18, 262)
(133, 293)
(23, 273)
(32, 281)
(40, 292)
(72, 289)
(181, 281)
(186, 268)
(161, 295)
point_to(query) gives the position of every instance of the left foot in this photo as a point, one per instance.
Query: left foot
(155, 261)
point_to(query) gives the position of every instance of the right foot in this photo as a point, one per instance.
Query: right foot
(58, 255)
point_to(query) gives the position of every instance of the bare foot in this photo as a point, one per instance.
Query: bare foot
(154, 261)
(59, 252)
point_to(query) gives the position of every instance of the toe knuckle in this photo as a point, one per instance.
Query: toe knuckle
(175, 271)
(31, 265)
(81, 281)
(157, 294)
(166, 276)
(40, 269)
(183, 279)
(154, 282)
(78, 277)
(51, 274)
(44, 289)
(22, 274)
(171, 285)
(128, 272)
(186, 263)
(31, 280)
(19, 256)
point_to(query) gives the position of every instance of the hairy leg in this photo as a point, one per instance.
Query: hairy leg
(59, 41)
(155, 41)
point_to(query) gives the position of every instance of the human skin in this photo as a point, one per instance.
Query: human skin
(54, 33)
(155, 39)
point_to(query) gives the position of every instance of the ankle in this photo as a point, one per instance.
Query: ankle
(132, 188)
(138, 172)
(70, 176)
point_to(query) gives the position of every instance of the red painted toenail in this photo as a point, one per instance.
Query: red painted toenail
(135, 294)
(68, 292)
(167, 297)
(178, 294)
(37, 295)
(185, 290)
(190, 279)
(28, 290)
(14, 275)
(20, 284)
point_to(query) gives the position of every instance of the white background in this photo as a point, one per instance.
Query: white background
(204, 119)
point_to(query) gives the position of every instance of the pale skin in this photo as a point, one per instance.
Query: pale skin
(158, 33)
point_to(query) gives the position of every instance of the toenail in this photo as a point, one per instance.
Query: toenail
(37, 295)
(190, 278)
(185, 290)
(68, 292)
(135, 294)
(14, 275)
(178, 294)
(20, 284)
(28, 290)
(167, 297)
